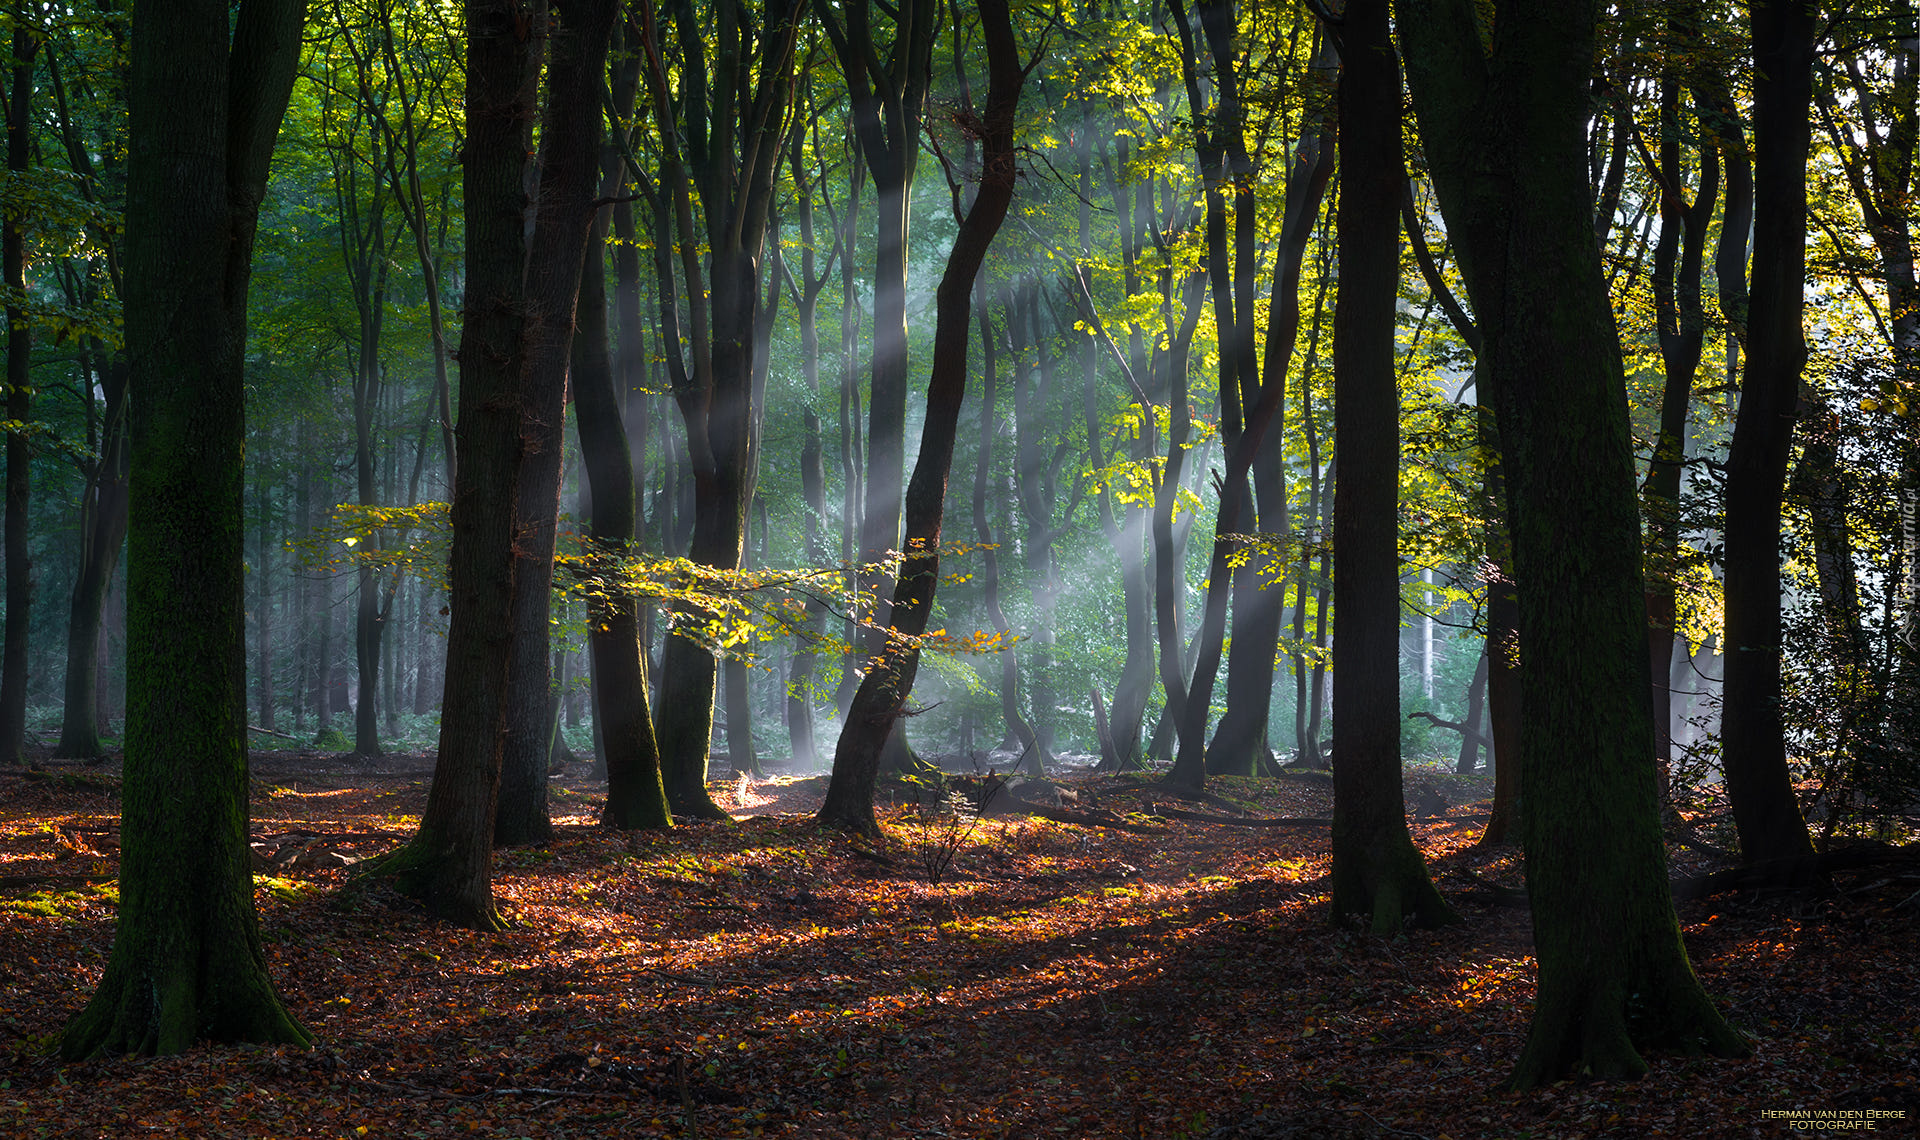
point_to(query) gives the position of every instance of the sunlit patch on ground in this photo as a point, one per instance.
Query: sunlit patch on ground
(764, 977)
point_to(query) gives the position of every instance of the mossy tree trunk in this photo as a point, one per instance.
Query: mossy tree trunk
(1377, 871)
(186, 961)
(1502, 111)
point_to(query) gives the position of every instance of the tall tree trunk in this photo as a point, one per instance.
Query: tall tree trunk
(887, 88)
(1377, 871)
(717, 154)
(13, 659)
(622, 717)
(883, 691)
(813, 480)
(187, 962)
(1239, 745)
(1678, 259)
(449, 863)
(1016, 723)
(1752, 733)
(1613, 973)
(569, 165)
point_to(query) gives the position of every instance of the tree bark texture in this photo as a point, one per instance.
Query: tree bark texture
(563, 218)
(1502, 111)
(1752, 734)
(1377, 871)
(186, 963)
(13, 656)
(882, 694)
(622, 718)
(448, 864)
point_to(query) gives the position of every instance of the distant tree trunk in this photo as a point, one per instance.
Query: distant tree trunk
(1036, 487)
(874, 716)
(1613, 972)
(187, 963)
(887, 89)
(852, 461)
(1016, 723)
(1309, 676)
(367, 384)
(1678, 259)
(322, 607)
(1377, 871)
(1476, 705)
(813, 480)
(103, 530)
(1239, 745)
(1752, 733)
(263, 603)
(13, 661)
(449, 863)
(1818, 486)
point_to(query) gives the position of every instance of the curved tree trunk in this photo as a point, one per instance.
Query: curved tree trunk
(1678, 259)
(883, 692)
(622, 720)
(1752, 735)
(1239, 745)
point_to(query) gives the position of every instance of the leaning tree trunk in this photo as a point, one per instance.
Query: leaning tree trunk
(186, 961)
(1377, 871)
(103, 524)
(883, 692)
(1614, 979)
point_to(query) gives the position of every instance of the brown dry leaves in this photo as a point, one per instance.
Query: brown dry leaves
(766, 978)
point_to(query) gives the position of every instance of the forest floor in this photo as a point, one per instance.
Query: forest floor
(1164, 978)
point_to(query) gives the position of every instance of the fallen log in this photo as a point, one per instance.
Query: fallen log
(1797, 872)
(1242, 821)
(1014, 805)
